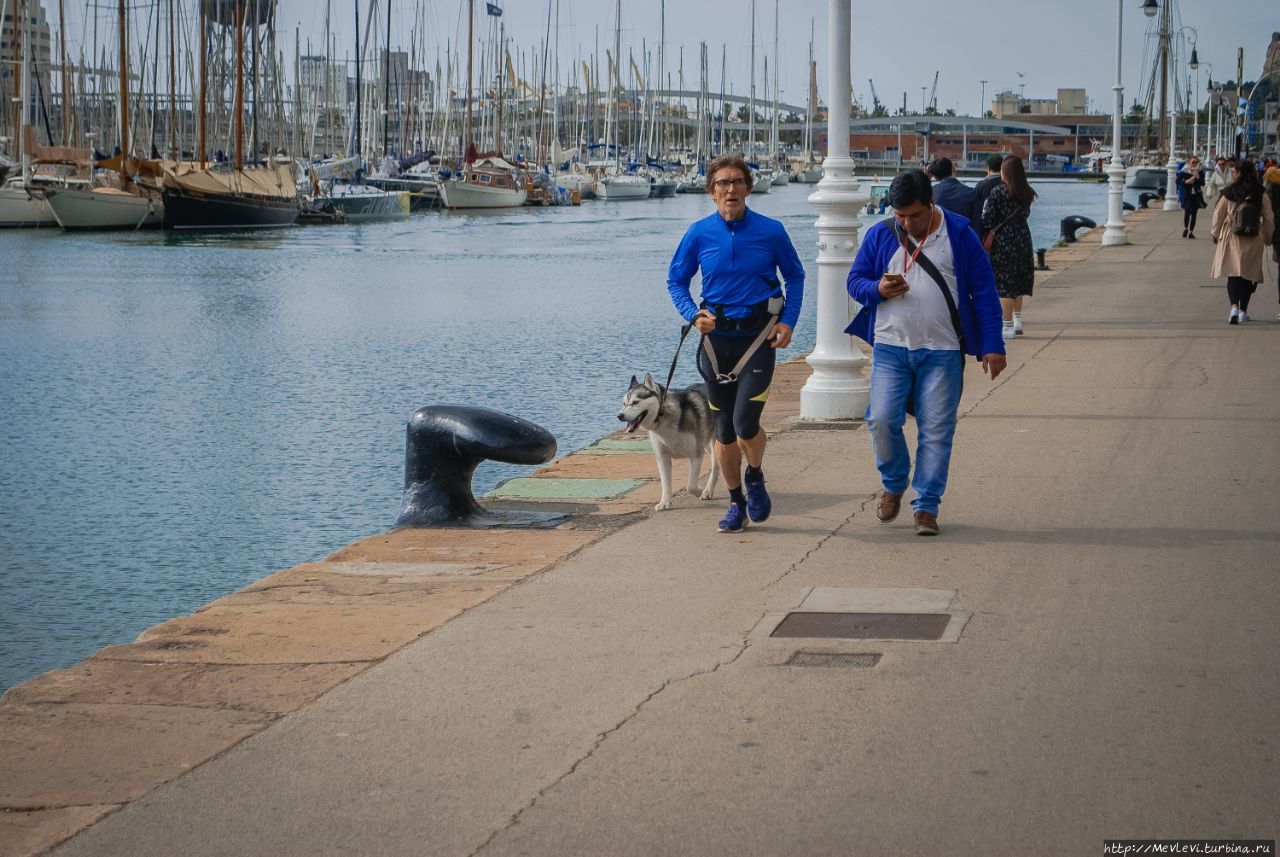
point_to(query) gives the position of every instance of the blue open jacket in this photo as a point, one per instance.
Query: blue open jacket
(739, 261)
(978, 304)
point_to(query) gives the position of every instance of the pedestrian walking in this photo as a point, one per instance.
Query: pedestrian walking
(928, 298)
(1008, 240)
(1271, 183)
(1243, 226)
(1216, 181)
(745, 317)
(1191, 180)
(952, 194)
(985, 187)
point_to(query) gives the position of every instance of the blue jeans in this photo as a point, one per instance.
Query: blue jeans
(934, 379)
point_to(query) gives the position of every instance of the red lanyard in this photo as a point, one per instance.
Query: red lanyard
(909, 260)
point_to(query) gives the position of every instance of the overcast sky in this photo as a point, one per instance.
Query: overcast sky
(897, 44)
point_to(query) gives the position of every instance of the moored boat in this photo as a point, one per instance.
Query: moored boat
(102, 208)
(621, 186)
(488, 182)
(20, 209)
(253, 197)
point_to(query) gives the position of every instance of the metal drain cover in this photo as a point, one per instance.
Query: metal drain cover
(845, 660)
(864, 626)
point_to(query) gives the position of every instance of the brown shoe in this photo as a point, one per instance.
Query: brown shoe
(888, 506)
(926, 524)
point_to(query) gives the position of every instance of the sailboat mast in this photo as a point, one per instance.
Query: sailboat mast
(751, 124)
(617, 82)
(173, 88)
(502, 67)
(386, 90)
(204, 81)
(466, 133)
(359, 85)
(773, 135)
(62, 47)
(1164, 74)
(239, 98)
(124, 88)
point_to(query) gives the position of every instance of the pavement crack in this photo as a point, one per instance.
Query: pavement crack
(1009, 376)
(822, 541)
(604, 736)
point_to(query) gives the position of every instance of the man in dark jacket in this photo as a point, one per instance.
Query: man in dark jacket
(950, 193)
(985, 187)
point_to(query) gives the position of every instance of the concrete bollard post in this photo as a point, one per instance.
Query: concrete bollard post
(443, 446)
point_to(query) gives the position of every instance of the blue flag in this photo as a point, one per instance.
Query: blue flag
(493, 9)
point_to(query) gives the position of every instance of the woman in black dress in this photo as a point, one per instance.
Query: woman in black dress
(1004, 219)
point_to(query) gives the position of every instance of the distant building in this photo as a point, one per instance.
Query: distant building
(40, 47)
(1008, 104)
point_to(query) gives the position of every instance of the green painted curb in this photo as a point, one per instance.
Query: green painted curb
(617, 446)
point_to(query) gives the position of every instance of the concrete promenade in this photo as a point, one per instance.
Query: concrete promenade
(1110, 667)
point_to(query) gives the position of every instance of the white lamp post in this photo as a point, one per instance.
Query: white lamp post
(1195, 103)
(837, 388)
(1171, 188)
(1115, 232)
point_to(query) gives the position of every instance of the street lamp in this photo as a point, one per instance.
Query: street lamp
(1171, 168)
(1208, 135)
(1115, 233)
(1150, 8)
(837, 388)
(982, 103)
(1193, 64)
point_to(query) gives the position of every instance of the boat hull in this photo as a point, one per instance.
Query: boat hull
(617, 188)
(184, 209)
(79, 209)
(18, 210)
(368, 207)
(460, 194)
(1145, 178)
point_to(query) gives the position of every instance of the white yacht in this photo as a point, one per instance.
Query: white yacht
(490, 182)
(620, 186)
(103, 208)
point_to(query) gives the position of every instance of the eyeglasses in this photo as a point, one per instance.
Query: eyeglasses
(724, 184)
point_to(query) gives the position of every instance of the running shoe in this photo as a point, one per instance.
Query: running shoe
(734, 520)
(758, 503)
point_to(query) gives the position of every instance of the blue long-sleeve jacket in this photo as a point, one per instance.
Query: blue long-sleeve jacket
(978, 304)
(740, 262)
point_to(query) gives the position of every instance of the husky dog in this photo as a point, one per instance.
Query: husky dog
(681, 427)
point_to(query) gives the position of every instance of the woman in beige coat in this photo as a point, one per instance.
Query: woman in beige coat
(1239, 257)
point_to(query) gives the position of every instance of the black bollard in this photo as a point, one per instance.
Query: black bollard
(1145, 197)
(1127, 206)
(1071, 223)
(443, 446)
(1041, 265)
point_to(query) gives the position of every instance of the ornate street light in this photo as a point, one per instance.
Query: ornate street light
(1115, 232)
(1150, 8)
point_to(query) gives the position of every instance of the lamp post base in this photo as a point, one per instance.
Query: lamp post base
(1115, 234)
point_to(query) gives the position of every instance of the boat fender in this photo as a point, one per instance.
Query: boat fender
(443, 446)
(1071, 223)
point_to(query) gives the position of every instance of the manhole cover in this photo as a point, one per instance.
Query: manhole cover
(846, 660)
(864, 626)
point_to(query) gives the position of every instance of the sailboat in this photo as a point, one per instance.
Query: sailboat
(236, 195)
(489, 181)
(761, 177)
(781, 177)
(18, 206)
(121, 205)
(807, 172)
(612, 183)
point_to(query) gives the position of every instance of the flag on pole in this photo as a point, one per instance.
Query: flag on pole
(493, 9)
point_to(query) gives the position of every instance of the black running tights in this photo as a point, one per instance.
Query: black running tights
(1239, 290)
(1189, 218)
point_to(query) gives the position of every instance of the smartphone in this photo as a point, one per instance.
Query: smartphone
(896, 279)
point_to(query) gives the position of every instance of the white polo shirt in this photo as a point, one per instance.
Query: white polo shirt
(920, 318)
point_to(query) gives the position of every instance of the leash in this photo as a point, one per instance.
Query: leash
(684, 333)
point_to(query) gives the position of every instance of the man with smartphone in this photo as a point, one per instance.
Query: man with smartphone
(928, 298)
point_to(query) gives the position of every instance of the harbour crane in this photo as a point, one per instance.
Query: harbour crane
(875, 99)
(933, 94)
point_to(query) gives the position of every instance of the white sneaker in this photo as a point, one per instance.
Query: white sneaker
(1017, 325)
(1244, 316)
(1006, 331)
(1234, 317)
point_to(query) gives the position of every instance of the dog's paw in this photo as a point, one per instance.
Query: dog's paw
(662, 506)
(708, 494)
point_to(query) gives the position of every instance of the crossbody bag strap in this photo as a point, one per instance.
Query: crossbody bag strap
(931, 269)
(764, 334)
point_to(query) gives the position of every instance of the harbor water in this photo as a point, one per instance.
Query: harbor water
(184, 414)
